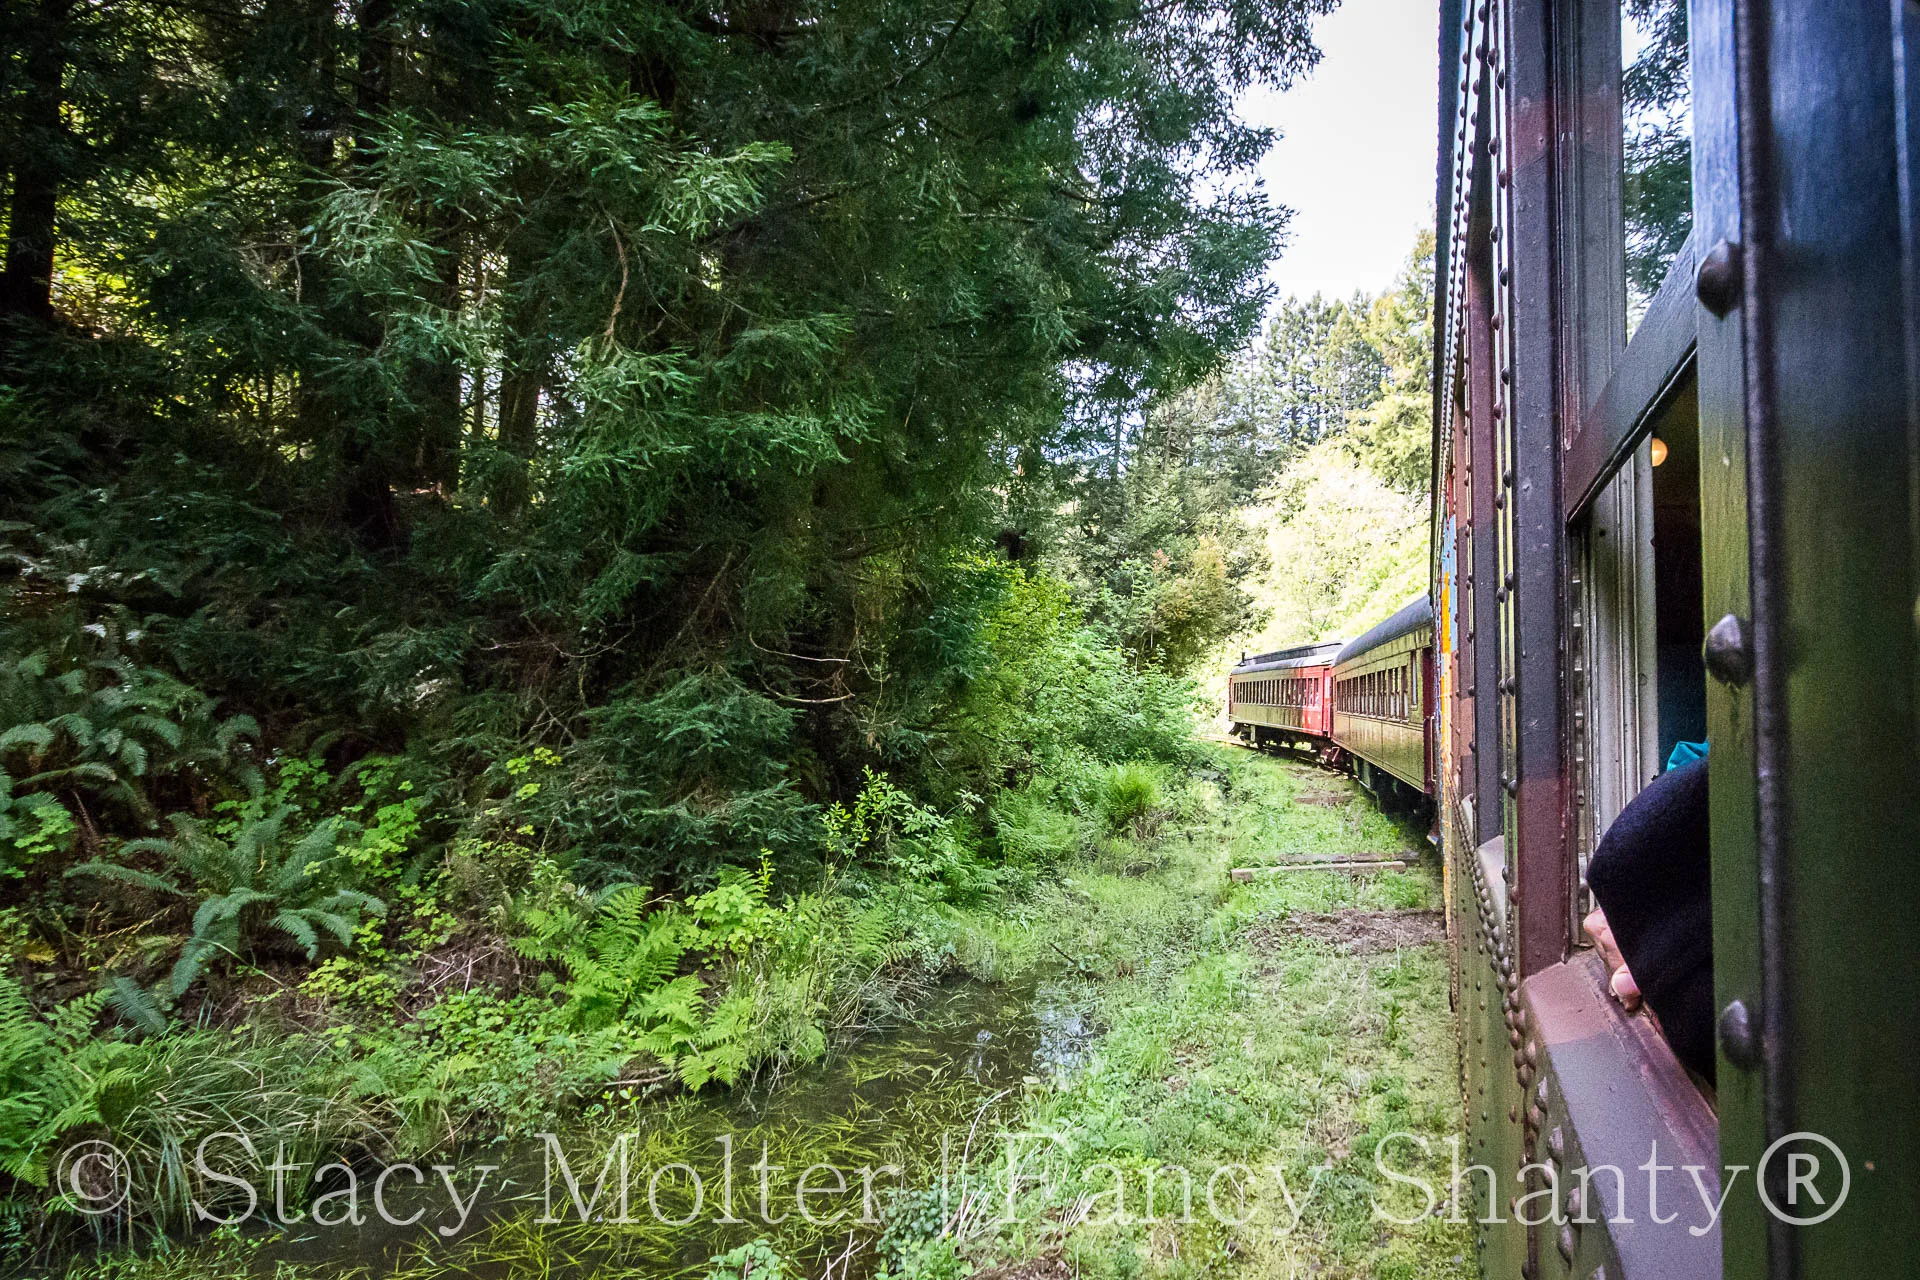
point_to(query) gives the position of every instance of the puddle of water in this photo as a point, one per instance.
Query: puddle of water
(904, 1108)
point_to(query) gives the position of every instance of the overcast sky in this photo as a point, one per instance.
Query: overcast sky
(1355, 160)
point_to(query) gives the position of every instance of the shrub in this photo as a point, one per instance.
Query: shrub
(1050, 693)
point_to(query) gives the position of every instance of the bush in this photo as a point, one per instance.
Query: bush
(82, 725)
(1051, 694)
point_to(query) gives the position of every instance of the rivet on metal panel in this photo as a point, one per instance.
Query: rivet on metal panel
(1737, 1038)
(1512, 785)
(1717, 280)
(1729, 655)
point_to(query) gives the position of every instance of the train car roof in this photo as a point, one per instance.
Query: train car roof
(1318, 654)
(1416, 614)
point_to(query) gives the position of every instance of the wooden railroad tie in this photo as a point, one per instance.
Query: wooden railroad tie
(1244, 874)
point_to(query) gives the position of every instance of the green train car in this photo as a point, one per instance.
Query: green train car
(1677, 499)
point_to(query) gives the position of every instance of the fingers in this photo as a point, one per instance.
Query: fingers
(1619, 978)
(1597, 928)
(1601, 932)
(1625, 989)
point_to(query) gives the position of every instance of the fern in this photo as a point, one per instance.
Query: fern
(54, 1077)
(85, 718)
(136, 1004)
(258, 883)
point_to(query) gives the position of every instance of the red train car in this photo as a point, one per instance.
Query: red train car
(1285, 698)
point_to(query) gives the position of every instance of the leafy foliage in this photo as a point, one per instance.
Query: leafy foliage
(54, 1078)
(616, 379)
(1126, 793)
(1658, 178)
(754, 1260)
(262, 880)
(83, 720)
(1353, 549)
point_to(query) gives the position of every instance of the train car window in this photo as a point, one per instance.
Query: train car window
(1657, 138)
(1638, 674)
(1679, 626)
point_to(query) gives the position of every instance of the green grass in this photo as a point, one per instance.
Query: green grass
(1218, 1050)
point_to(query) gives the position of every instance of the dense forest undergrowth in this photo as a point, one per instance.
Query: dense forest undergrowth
(563, 546)
(1219, 1073)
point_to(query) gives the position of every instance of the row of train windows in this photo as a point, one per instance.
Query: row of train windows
(1284, 692)
(1385, 694)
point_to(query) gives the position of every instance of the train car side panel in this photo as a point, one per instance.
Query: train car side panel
(1381, 694)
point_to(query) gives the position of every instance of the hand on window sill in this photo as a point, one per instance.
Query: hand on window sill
(1619, 978)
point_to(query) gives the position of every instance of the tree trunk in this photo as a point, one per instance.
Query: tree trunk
(26, 285)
